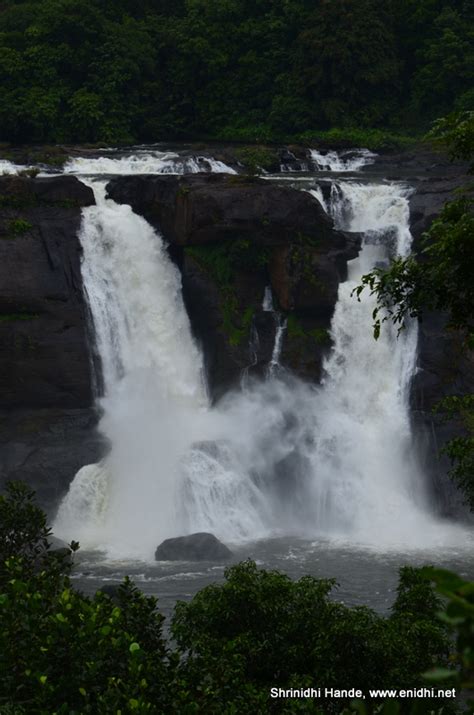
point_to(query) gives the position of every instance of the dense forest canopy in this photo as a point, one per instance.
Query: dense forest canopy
(123, 70)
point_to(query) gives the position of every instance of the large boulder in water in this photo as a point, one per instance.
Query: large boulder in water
(194, 547)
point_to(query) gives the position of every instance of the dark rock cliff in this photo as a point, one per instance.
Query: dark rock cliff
(232, 237)
(46, 415)
(444, 368)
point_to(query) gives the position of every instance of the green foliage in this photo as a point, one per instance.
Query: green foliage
(445, 76)
(63, 652)
(31, 173)
(456, 132)
(13, 317)
(59, 650)
(295, 330)
(23, 528)
(223, 261)
(260, 628)
(458, 612)
(440, 279)
(215, 258)
(18, 226)
(236, 132)
(257, 158)
(460, 449)
(246, 71)
(373, 139)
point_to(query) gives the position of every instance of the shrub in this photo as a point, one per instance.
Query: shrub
(18, 227)
(63, 652)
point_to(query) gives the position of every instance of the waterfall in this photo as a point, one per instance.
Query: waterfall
(341, 162)
(280, 327)
(367, 475)
(280, 324)
(9, 168)
(254, 346)
(267, 303)
(278, 457)
(146, 162)
(152, 375)
(317, 192)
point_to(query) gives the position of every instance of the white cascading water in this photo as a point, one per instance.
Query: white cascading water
(267, 303)
(152, 377)
(163, 436)
(367, 479)
(280, 324)
(342, 162)
(8, 167)
(317, 192)
(278, 457)
(280, 327)
(146, 162)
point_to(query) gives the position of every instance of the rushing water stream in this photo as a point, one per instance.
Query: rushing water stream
(307, 478)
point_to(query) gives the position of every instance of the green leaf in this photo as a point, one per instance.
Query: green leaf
(439, 674)
(134, 647)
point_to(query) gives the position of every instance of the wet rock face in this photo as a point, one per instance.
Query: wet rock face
(232, 237)
(444, 367)
(44, 359)
(306, 278)
(195, 547)
(46, 420)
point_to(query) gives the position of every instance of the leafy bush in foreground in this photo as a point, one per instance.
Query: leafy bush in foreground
(62, 652)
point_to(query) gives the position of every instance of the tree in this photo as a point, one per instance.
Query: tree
(347, 60)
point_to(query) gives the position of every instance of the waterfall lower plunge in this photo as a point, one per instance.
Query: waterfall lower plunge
(277, 457)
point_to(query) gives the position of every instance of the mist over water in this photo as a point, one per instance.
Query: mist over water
(277, 457)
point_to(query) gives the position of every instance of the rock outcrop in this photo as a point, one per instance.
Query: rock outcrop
(202, 209)
(232, 237)
(444, 367)
(46, 415)
(194, 547)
